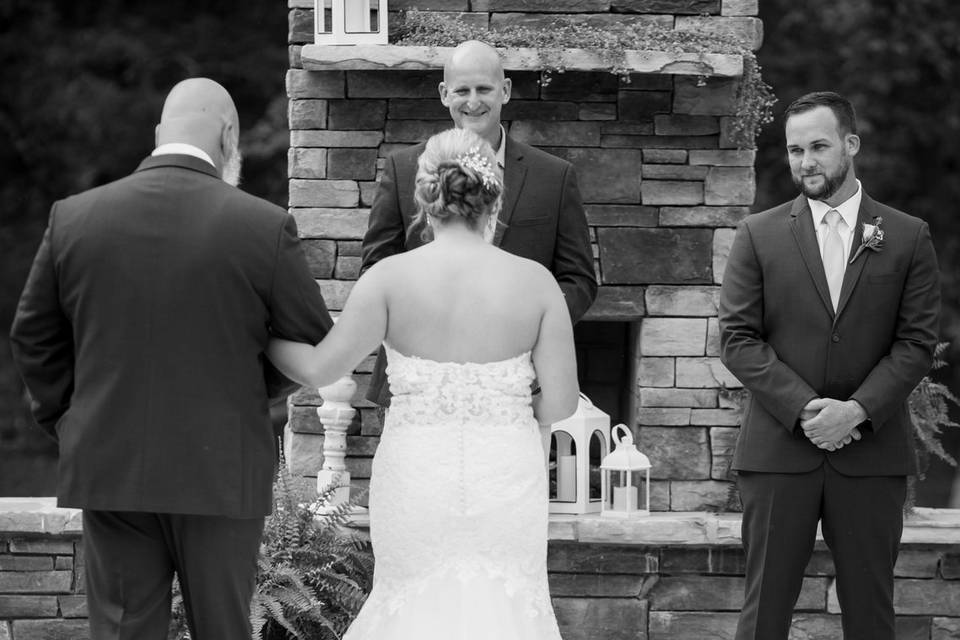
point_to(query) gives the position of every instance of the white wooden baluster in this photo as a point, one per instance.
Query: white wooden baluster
(336, 414)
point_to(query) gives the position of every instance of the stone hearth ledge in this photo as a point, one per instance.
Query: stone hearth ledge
(393, 57)
(41, 516)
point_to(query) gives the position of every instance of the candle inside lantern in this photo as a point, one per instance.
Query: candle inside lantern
(625, 498)
(357, 15)
(567, 478)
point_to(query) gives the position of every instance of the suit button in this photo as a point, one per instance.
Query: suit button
(836, 337)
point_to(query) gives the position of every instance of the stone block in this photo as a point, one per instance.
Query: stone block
(580, 86)
(25, 563)
(311, 138)
(720, 593)
(659, 495)
(686, 125)
(673, 336)
(307, 114)
(748, 30)
(680, 560)
(576, 557)
(303, 452)
(656, 372)
(411, 109)
(304, 419)
(678, 625)
(51, 630)
(702, 216)
(595, 586)
(664, 300)
(713, 337)
(539, 111)
(728, 132)
(912, 628)
(599, 111)
(676, 452)
(723, 157)
(620, 127)
(917, 563)
(730, 186)
(73, 606)
(413, 130)
(621, 215)
(597, 20)
(348, 268)
(608, 176)
(371, 422)
(672, 172)
(663, 416)
(945, 628)
(655, 256)
(294, 55)
(302, 85)
(430, 5)
(722, 241)
(357, 114)
(676, 7)
(950, 566)
(716, 417)
(715, 97)
(352, 164)
(333, 223)
(657, 142)
(702, 373)
(324, 193)
(35, 581)
(739, 7)
(924, 597)
(699, 495)
(641, 105)
(306, 163)
(723, 441)
(671, 192)
(393, 84)
(601, 618)
(348, 247)
(335, 292)
(531, 6)
(20, 606)
(300, 26)
(617, 303)
(815, 626)
(55, 547)
(664, 156)
(63, 563)
(568, 134)
(321, 256)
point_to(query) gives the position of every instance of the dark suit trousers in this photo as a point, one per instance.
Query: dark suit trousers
(861, 519)
(130, 559)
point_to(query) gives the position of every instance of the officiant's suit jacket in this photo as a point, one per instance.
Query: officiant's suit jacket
(541, 219)
(140, 335)
(781, 338)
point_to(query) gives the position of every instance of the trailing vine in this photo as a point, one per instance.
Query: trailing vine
(755, 99)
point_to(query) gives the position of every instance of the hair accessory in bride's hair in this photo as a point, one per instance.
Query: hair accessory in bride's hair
(473, 160)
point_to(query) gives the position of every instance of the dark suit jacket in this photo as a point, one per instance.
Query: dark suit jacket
(782, 340)
(542, 219)
(140, 335)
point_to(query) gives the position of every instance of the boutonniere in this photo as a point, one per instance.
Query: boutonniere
(872, 238)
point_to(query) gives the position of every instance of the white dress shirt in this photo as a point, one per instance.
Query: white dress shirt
(849, 209)
(182, 148)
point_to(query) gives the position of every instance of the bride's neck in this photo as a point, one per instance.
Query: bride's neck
(456, 232)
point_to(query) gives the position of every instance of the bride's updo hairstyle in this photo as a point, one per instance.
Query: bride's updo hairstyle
(457, 178)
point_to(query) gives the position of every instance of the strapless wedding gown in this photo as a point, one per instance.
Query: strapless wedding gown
(458, 507)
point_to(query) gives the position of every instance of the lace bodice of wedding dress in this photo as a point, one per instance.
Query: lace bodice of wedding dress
(458, 507)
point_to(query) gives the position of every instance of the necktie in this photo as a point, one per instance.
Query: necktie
(833, 262)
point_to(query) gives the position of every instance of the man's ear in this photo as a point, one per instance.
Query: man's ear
(507, 87)
(226, 138)
(442, 88)
(852, 142)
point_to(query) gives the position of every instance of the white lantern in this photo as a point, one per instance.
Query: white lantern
(625, 478)
(577, 491)
(350, 21)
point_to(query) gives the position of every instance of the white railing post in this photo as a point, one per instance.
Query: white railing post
(336, 414)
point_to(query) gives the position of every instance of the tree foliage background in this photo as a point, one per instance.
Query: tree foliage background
(82, 83)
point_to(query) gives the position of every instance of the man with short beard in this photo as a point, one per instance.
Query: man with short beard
(829, 315)
(140, 335)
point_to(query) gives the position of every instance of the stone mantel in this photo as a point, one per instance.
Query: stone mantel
(393, 57)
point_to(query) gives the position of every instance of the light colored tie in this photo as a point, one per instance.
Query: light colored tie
(833, 262)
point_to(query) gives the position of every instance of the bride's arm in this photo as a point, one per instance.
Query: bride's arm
(555, 361)
(358, 331)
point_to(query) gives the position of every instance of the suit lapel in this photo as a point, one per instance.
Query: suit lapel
(852, 273)
(801, 223)
(514, 173)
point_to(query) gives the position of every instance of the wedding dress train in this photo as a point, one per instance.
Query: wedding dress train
(458, 507)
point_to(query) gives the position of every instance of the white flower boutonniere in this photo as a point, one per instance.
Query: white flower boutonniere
(872, 238)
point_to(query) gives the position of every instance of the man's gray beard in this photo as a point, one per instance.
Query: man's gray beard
(232, 163)
(831, 184)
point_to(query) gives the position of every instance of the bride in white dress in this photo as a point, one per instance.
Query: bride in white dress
(458, 494)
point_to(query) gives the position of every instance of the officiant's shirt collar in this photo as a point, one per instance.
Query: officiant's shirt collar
(184, 149)
(849, 209)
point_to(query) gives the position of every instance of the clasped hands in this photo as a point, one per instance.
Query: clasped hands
(832, 424)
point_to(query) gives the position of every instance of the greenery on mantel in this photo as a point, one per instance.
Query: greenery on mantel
(755, 99)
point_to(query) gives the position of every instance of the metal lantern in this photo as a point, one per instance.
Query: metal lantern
(576, 490)
(350, 21)
(625, 478)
